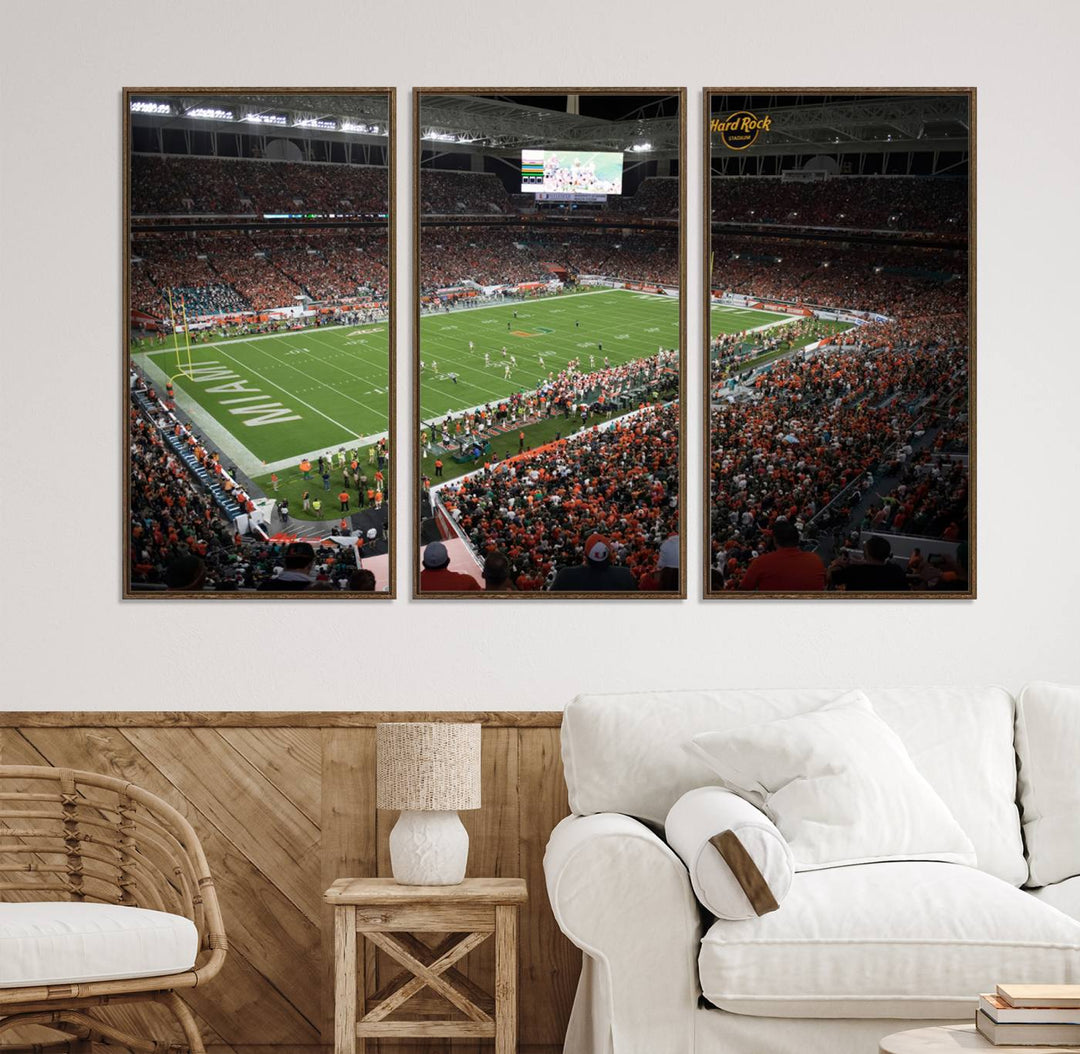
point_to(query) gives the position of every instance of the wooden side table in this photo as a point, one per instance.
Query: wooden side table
(388, 914)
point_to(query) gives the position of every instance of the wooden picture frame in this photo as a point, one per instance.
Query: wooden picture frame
(354, 126)
(717, 102)
(418, 468)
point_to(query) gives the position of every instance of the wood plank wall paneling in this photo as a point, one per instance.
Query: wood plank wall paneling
(285, 803)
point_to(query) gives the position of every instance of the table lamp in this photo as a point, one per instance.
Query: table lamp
(428, 770)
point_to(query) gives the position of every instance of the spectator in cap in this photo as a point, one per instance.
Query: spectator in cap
(597, 574)
(666, 576)
(497, 573)
(299, 560)
(436, 577)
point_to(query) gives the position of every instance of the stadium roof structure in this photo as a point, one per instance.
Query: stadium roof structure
(493, 124)
(861, 124)
(349, 115)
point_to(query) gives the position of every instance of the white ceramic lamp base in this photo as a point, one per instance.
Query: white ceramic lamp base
(429, 849)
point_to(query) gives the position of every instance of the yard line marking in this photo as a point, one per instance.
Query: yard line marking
(291, 395)
(349, 373)
(323, 384)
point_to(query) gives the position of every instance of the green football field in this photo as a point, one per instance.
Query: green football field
(728, 319)
(628, 325)
(283, 395)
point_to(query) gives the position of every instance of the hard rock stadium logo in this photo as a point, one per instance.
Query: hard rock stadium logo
(741, 129)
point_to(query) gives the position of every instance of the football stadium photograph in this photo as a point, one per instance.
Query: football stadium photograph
(259, 375)
(840, 362)
(549, 368)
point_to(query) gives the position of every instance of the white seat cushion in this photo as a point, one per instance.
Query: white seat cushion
(56, 942)
(1065, 896)
(899, 939)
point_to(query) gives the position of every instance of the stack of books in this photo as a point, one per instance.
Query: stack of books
(1031, 1015)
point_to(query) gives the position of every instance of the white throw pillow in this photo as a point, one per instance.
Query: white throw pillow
(1048, 745)
(739, 864)
(839, 785)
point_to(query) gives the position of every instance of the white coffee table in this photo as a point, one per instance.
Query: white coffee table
(945, 1039)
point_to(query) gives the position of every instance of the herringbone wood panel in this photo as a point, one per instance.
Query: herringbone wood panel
(283, 810)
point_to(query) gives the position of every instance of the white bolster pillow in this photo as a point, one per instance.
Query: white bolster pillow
(740, 865)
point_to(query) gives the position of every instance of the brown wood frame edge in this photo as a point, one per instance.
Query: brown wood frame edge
(126, 592)
(271, 719)
(414, 545)
(971, 593)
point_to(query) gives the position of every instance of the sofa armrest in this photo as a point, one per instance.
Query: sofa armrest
(624, 898)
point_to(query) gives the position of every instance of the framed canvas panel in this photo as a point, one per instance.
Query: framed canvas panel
(549, 377)
(839, 323)
(258, 378)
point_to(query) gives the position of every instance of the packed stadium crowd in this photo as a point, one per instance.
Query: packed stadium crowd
(814, 431)
(541, 508)
(879, 279)
(233, 271)
(657, 197)
(900, 203)
(930, 500)
(179, 539)
(179, 185)
(858, 436)
(446, 193)
(513, 255)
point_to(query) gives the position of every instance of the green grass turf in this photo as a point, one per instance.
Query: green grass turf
(291, 485)
(324, 387)
(629, 325)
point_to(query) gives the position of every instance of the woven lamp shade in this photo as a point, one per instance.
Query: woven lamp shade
(427, 766)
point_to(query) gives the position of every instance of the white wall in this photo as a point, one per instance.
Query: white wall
(69, 642)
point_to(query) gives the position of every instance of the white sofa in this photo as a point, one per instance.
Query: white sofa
(853, 953)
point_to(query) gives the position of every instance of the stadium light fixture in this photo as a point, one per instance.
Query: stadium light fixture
(362, 129)
(210, 113)
(641, 148)
(266, 118)
(316, 122)
(146, 106)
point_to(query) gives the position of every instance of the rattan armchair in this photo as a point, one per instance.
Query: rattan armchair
(68, 835)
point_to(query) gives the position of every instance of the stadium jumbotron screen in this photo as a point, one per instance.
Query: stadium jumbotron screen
(571, 172)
